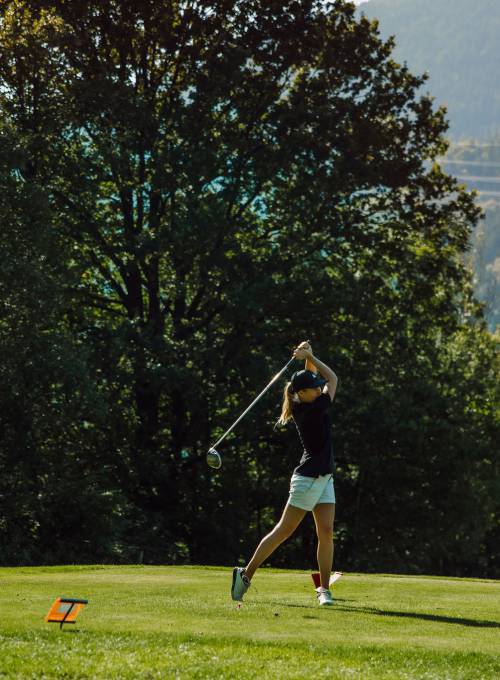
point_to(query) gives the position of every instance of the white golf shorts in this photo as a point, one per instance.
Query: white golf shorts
(306, 492)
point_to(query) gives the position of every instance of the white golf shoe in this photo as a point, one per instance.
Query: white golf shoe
(324, 596)
(240, 584)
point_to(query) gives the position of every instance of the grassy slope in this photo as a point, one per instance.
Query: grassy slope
(165, 622)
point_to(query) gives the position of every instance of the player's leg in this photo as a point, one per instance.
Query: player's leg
(324, 515)
(290, 520)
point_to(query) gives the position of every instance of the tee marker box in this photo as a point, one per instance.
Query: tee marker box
(65, 610)
(316, 577)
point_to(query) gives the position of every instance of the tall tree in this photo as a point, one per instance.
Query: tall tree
(54, 503)
(232, 175)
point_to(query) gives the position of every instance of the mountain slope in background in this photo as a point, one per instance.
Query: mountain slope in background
(457, 42)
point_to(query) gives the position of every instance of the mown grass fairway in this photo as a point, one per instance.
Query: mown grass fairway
(168, 622)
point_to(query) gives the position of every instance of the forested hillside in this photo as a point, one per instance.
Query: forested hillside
(456, 41)
(478, 166)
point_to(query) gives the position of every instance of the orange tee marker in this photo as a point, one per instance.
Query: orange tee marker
(65, 610)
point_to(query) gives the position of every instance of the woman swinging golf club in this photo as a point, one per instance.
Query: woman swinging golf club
(307, 399)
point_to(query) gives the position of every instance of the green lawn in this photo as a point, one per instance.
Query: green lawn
(179, 622)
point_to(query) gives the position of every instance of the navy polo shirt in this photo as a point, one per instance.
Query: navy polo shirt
(314, 425)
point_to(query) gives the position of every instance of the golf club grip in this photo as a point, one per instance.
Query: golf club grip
(253, 402)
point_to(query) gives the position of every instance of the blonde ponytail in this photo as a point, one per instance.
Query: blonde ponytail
(286, 408)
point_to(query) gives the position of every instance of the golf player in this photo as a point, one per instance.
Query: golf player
(307, 400)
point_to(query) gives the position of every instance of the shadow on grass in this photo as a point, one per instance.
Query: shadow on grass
(276, 603)
(474, 623)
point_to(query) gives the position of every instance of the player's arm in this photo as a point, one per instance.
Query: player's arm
(308, 366)
(325, 372)
(304, 351)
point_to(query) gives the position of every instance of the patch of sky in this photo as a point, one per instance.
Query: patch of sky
(17, 175)
(216, 185)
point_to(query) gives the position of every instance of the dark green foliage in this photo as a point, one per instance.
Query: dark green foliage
(55, 504)
(218, 183)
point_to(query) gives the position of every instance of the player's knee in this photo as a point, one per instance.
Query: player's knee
(284, 530)
(325, 532)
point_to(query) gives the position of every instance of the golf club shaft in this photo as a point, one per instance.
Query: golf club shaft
(253, 402)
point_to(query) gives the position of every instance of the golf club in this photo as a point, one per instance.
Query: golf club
(213, 456)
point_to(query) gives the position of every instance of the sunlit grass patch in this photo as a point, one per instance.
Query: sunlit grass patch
(162, 622)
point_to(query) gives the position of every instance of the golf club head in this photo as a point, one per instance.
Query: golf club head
(214, 459)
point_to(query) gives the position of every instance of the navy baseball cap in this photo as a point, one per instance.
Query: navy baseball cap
(301, 380)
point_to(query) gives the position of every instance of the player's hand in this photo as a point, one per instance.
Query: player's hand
(305, 345)
(302, 352)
